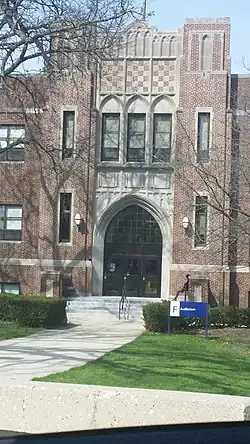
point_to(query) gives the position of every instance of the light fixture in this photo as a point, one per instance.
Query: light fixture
(185, 222)
(77, 219)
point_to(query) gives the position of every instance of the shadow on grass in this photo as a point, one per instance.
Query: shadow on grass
(170, 363)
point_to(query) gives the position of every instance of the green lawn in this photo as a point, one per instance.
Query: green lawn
(10, 330)
(176, 362)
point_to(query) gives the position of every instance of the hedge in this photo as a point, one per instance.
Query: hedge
(32, 311)
(156, 318)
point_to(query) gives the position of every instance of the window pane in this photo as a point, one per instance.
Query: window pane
(14, 235)
(13, 224)
(14, 212)
(136, 138)
(162, 140)
(2, 211)
(10, 288)
(110, 154)
(3, 144)
(111, 124)
(110, 140)
(17, 133)
(162, 155)
(110, 136)
(3, 132)
(203, 137)
(137, 124)
(136, 141)
(15, 154)
(68, 133)
(201, 221)
(65, 217)
(136, 155)
(162, 124)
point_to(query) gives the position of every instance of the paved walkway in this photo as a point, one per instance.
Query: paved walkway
(87, 337)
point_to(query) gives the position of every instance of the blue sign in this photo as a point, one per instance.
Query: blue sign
(188, 309)
(193, 309)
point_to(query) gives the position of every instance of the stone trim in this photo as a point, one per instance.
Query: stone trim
(209, 268)
(45, 263)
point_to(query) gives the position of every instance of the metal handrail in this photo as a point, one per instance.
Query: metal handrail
(123, 299)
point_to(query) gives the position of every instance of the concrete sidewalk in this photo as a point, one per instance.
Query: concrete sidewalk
(87, 337)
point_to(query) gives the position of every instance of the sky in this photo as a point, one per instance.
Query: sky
(170, 15)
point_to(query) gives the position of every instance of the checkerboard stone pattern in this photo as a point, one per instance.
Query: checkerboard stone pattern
(163, 76)
(138, 76)
(112, 76)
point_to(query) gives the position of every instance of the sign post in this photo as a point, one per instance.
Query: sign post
(188, 309)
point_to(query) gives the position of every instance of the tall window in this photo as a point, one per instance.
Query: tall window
(201, 206)
(203, 141)
(162, 138)
(12, 143)
(110, 137)
(136, 137)
(10, 222)
(68, 139)
(65, 217)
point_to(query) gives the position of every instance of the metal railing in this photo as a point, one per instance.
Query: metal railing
(124, 304)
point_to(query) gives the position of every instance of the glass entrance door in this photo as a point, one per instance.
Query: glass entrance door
(143, 276)
(133, 248)
(152, 277)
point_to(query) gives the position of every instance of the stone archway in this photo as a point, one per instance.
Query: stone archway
(164, 222)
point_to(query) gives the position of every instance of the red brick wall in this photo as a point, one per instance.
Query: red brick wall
(37, 182)
(202, 90)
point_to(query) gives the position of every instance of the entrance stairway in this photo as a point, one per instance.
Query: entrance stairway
(108, 304)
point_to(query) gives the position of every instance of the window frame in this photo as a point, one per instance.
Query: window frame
(103, 148)
(64, 135)
(8, 150)
(130, 118)
(61, 239)
(9, 283)
(197, 243)
(168, 156)
(199, 157)
(5, 219)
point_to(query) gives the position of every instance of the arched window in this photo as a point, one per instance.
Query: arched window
(206, 53)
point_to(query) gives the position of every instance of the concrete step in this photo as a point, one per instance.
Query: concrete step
(133, 306)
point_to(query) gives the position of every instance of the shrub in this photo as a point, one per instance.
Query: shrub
(156, 318)
(33, 311)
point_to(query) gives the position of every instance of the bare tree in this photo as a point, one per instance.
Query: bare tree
(35, 30)
(223, 174)
(49, 55)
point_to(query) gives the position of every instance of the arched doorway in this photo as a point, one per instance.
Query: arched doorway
(133, 246)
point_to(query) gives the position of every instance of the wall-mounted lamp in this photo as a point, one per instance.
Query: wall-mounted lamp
(185, 223)
(78, 220)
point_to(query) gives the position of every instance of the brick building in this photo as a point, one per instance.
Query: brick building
(166, 99)
(153, 176)
(46, 183)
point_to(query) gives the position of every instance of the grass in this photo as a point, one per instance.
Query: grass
(176, 362)
(10, 330)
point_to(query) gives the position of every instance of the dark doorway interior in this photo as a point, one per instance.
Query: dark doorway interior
(133, 246)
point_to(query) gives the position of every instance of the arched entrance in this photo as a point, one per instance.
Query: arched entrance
(133, 245)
